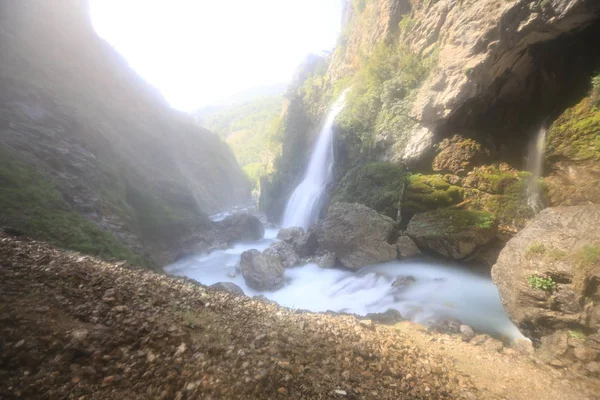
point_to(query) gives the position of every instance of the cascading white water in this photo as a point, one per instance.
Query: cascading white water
(535, 165)
(303, 207)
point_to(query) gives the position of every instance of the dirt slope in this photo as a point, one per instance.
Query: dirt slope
(75, 327)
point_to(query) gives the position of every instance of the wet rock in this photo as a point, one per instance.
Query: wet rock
(290, 234)
(407, 248)
(445, 325)
(358, 235)
(326, 260)
(454, 234)
(307, 244)
(389, 317)
(241, 227)
(402, 282)
(262, 271)
(228, 287)
(285, 252)
(466, 333)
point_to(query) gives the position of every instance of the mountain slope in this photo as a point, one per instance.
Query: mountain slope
(77, 116)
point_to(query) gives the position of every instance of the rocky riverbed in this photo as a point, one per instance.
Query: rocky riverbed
(77, 327)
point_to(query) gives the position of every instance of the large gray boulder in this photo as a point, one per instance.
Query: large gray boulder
(262, 271)
(359, 236)
(241, 227)
(548, 276)
(285, 252)
(305, 244)
(454, 234)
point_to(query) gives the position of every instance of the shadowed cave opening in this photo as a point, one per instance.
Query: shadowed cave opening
(546, 79)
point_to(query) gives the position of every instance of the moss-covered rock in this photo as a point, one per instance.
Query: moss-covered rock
(377, 185)
(575, 135)
(494, 179)
(459, 154)
(452, 233)
(430, 192)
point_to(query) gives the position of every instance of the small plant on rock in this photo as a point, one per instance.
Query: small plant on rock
(535, 249)
(542, 283)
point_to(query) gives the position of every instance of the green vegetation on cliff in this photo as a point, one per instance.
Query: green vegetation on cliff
(377, 185)
(30, 202)
(381, 94)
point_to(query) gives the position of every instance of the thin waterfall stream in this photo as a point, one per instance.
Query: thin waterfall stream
(535, 165)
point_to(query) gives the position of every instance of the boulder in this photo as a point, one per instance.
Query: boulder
(290, 234)
(227, 287)
(454, 234)
(407, 248)
(241, 227)
(445, 325)
(390, 317)
(262, 271)
(307, 244)
(285, 252)
(466, 333)
(548, 276)
(358, 235)
(326, 260)
(459, 154)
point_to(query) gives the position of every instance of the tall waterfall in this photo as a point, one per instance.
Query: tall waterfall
(535, 165)
(303, 207)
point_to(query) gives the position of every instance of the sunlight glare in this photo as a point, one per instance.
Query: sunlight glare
(198, 52)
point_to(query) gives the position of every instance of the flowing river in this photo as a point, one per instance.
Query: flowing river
(438, 291)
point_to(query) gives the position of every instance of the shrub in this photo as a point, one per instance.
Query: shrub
(541, 283)
(535, 249)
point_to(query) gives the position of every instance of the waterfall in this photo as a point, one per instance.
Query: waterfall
(303, 207)
(535, 165)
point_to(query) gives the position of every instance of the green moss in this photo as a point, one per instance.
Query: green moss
(576, 133)
(511, 208)
(491, 179)
(577, 334)
(450, 222)
(541, 283)
(430, 192)
(377, 185)
(32, 203)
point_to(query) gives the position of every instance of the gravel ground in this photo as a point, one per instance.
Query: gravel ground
(72, 326)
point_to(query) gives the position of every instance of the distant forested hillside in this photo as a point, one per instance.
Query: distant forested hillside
(251, 127)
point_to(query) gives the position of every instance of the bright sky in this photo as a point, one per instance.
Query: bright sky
(199, 51)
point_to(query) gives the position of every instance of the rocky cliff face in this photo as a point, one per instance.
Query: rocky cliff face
(73, 114)
(457, 91)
